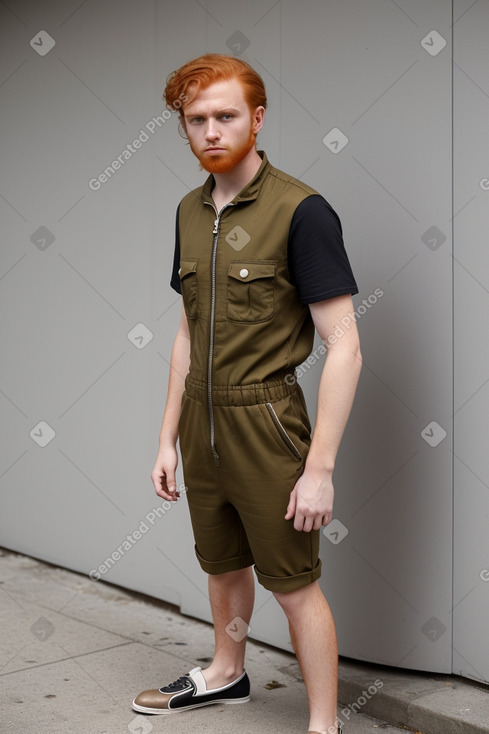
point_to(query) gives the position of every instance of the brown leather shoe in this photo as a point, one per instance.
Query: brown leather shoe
(189, 692)
(340, 730)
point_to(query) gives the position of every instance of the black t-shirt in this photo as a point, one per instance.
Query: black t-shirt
(318, 263)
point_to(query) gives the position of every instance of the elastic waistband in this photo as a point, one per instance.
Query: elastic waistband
(259, 392)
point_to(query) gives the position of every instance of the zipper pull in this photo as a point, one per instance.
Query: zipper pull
(216, 225)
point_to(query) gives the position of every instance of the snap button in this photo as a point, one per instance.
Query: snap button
(243, 272)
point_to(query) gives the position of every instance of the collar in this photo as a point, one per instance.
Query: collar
(250, 191)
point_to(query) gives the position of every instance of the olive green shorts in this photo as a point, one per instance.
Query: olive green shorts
(262, 435)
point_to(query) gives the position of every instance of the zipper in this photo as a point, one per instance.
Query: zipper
(285, 436)
(215, 232)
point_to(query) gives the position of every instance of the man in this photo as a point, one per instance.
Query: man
(260, 262)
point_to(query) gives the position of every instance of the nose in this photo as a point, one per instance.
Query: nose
(212, 132)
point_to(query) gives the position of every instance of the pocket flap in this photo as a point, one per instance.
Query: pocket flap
(246, 271)
(187, 267)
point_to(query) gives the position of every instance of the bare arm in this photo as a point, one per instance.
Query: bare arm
(311, 502)
(163, 474)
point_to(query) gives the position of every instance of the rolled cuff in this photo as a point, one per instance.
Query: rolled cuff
(229, 564)
(289, 583)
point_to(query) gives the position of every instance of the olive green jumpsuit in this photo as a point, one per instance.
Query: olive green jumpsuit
(244, 430)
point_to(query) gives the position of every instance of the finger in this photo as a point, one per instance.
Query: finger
(171, 484)
(161, 488)
(170, 487)
(299, 521)
(318, 522)
(291, 506)
(308, 524)
(165, 495)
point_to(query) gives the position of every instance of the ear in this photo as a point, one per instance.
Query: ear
(182, 128)
(257, 119)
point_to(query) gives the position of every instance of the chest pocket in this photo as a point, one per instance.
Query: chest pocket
(250, 297)
(188, 284)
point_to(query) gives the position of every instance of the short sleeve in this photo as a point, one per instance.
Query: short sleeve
(175, 278)
(318, 262)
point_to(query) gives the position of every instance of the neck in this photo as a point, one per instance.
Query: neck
(227, 185)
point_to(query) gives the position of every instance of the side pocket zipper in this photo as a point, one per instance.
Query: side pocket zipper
(283, 433)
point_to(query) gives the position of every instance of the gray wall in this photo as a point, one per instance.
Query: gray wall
(88, 317)
(471, 354)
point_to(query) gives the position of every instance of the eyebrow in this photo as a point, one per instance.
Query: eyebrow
(199, 113)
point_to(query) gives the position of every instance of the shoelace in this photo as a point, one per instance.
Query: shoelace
(181, 682)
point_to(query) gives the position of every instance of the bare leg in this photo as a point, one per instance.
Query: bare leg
(313, 637)
(231, 595)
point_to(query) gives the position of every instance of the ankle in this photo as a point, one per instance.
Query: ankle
(217, 676)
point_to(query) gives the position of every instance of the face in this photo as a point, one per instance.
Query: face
(221, 128)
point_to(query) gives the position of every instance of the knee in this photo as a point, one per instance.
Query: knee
(293, 601)
(284, 600)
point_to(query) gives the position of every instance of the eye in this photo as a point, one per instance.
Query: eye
(226, 116)
(196, 120)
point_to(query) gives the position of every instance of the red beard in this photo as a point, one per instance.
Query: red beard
(225, 160)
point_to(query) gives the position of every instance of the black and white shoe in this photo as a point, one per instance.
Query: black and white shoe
(339, 729)
(189, 692)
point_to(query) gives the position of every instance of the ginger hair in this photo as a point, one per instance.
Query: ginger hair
(184, 84)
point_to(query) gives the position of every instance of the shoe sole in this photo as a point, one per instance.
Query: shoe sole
(146, 710)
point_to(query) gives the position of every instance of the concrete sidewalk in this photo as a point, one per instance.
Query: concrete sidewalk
(75, 652)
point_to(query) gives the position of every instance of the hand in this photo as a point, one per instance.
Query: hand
(311, 501)
(163, 474)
